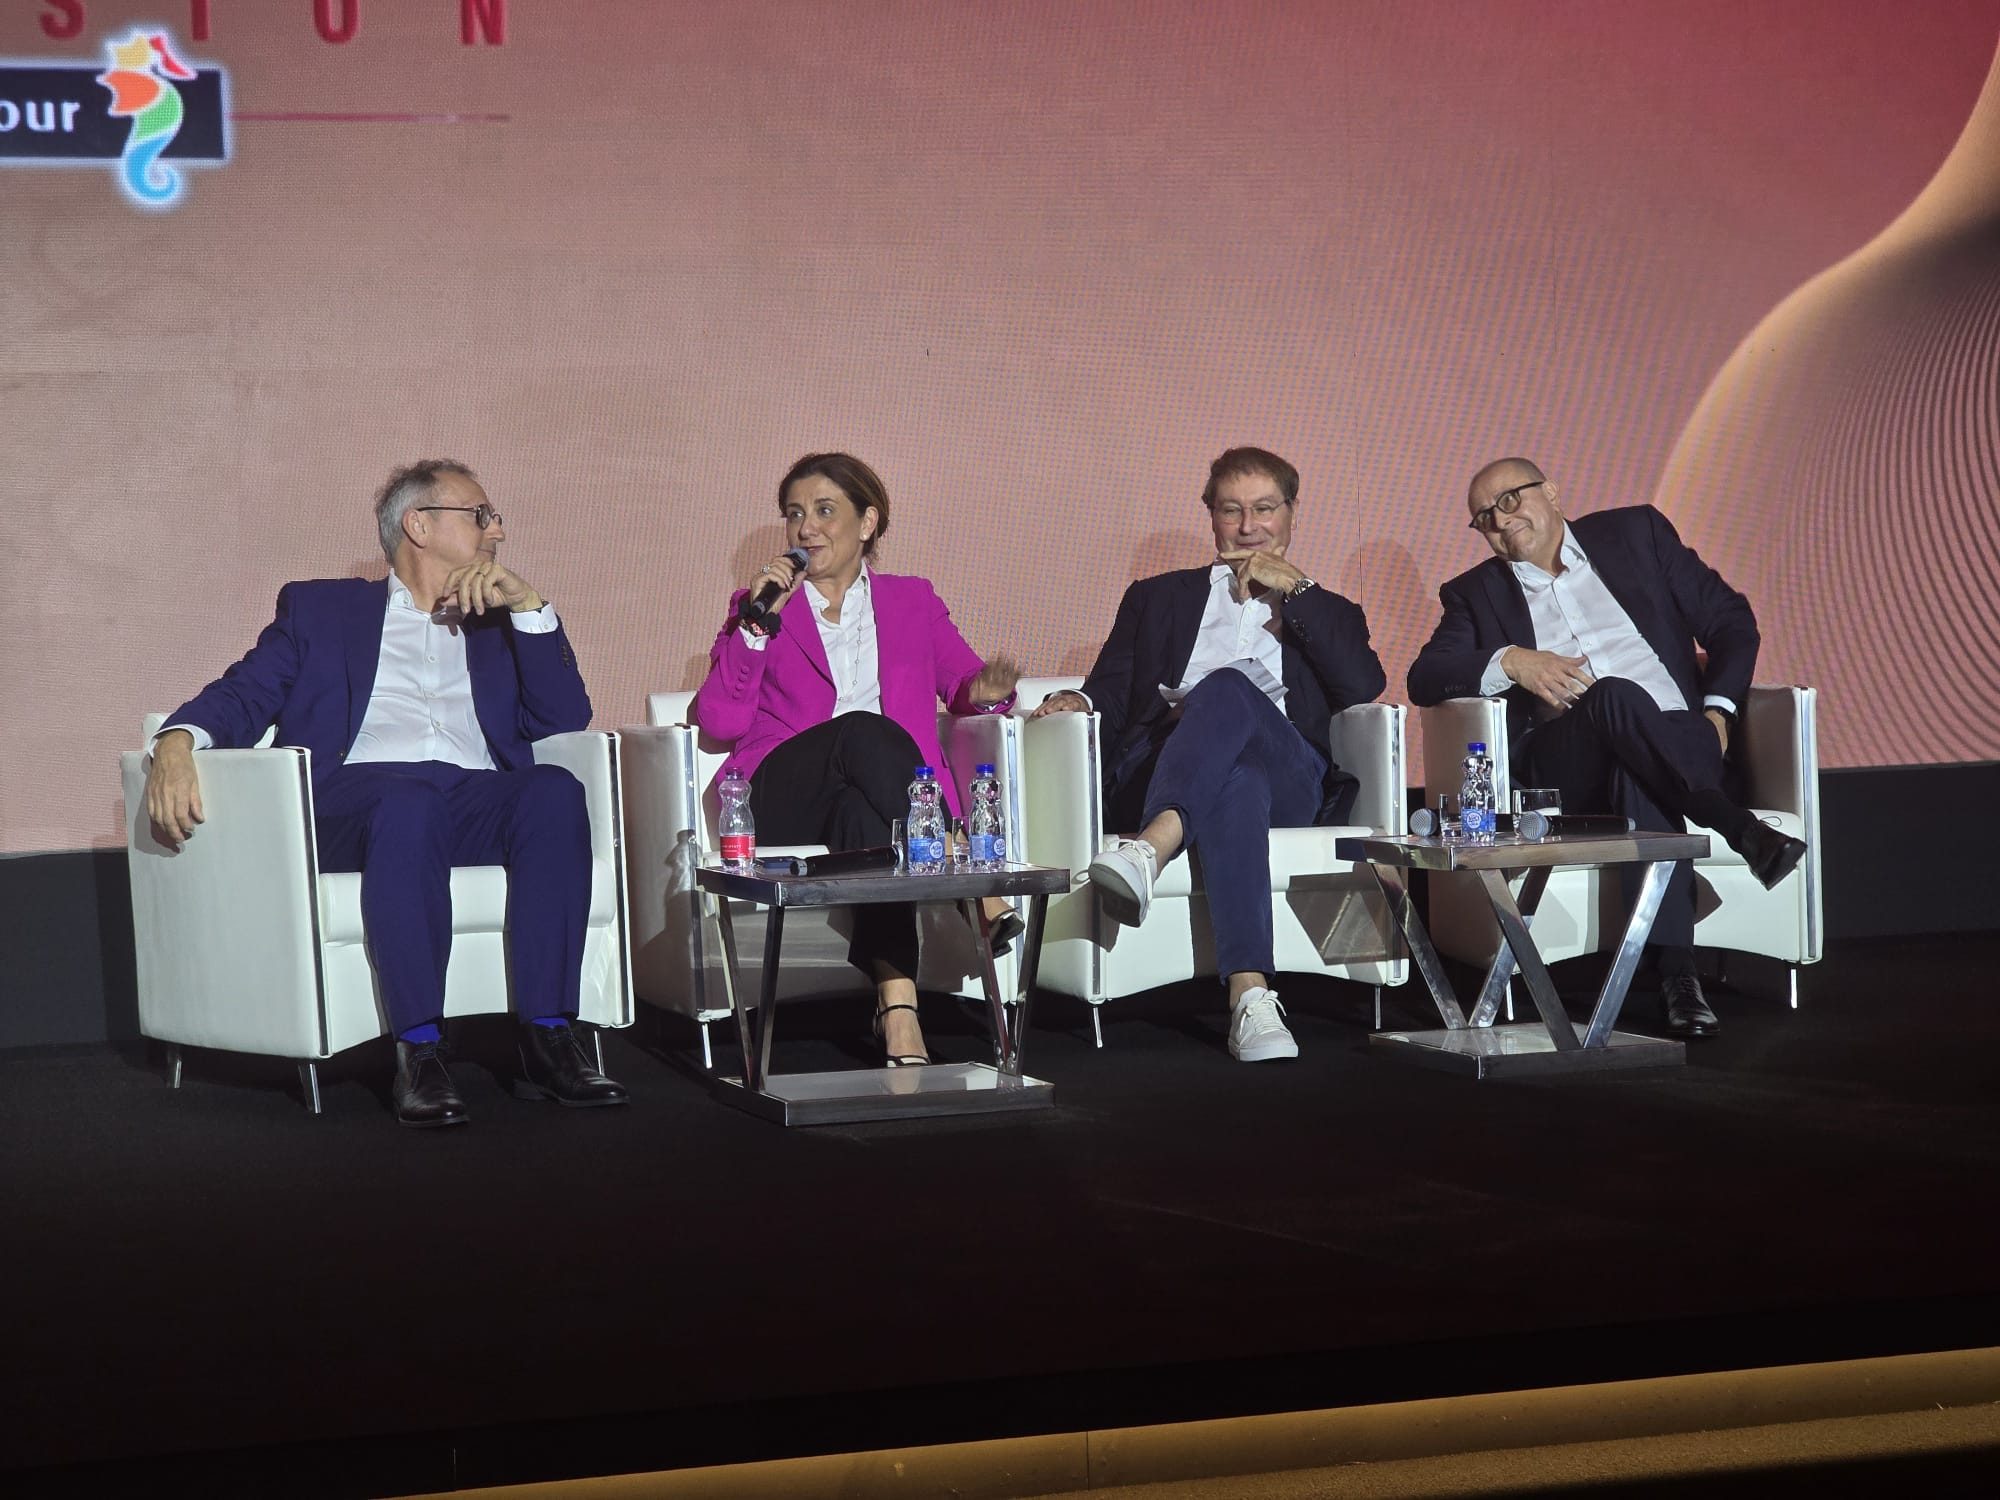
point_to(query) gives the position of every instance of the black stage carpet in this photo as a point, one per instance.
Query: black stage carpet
(212, 1287)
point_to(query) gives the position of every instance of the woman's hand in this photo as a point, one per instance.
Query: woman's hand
(786, 572)
(995, 682)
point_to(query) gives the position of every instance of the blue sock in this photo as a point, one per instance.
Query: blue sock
(416, 1036)
(551, 1021)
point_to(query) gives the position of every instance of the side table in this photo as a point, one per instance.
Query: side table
(883, 1093)
(1474, 1044)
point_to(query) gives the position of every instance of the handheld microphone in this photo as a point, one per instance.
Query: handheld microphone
(755, 606)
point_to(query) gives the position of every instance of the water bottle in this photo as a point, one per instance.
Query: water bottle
(734, 823)
(926, 826)
(987, 824)
(1475, 797)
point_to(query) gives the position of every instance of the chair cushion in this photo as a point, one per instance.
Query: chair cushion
(1295, 853)
(478, 901)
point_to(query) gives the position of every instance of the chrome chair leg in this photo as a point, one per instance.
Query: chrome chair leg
(173, 1065)
(1792, 971)
(309, 1085)
(707, 1057)
(597, 1042)
(1097, 1023)
(1378, 1007)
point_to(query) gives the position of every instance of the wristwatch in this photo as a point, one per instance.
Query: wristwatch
(1300, 587)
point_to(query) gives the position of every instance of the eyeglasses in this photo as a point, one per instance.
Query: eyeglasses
(483, 516)
(1233, 513)
(1506, 503)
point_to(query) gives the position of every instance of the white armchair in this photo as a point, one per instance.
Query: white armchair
(1328, 916)
(1583, 910)
(669, 770)
(244, 945)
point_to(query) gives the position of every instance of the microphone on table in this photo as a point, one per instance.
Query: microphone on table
(755, 606)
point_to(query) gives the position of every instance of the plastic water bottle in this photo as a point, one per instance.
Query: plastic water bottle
(926, 826)
(734, 823)
(1475, 797)
(986, 825)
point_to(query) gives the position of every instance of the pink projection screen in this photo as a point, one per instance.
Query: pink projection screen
(1038, 263)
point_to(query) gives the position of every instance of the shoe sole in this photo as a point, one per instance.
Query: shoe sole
(1787, 862)
(1120, 902)
(433, 1124)
(534, 1091)
(1266, 1052)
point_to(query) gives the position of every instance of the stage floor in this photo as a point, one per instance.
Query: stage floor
(213, 1286)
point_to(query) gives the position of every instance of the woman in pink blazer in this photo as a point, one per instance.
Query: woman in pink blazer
(832, 702)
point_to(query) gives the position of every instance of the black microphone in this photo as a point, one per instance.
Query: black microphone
(755, 606)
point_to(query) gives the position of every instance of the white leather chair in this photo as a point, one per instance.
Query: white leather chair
(1583, 911)
(669, 769)
(1327, 913)
(244, 945)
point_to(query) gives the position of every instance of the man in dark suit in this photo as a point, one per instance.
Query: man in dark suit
(419, 698)
(1588, 627)
(1216, 689)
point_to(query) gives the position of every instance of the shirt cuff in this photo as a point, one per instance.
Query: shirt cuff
(203, 740)
(751, 639)
(1716, 700)
(1495, 680)
(535, 621)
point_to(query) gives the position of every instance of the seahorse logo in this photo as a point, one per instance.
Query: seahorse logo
(138, 75)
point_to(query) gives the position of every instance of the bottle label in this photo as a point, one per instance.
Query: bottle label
(739, 848)
(925, 851)
(1475, 820)
(988, 848)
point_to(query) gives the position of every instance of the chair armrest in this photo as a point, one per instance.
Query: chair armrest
(1368, 740)
(1030, 691)
(591, 756)
(670, 708)
(1452, 725)
(226, 928)
(1062, 795)
(986, 739)
(1780, 751)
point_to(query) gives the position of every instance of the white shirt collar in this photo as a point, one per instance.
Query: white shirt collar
(1571, 553)
(819, 600)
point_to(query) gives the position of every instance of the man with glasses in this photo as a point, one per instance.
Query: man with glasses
(419, 699)
(1215, 691)
(1588, 628)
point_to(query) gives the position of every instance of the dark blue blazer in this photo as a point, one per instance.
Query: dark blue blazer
(1676, 602)
(313, 669)
(1329, 665)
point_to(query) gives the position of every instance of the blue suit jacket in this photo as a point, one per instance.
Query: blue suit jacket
(1676, 601)
(1328, 664)
(313, 669)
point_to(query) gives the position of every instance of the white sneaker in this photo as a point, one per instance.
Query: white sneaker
(1256, 1034)
(1123, 879)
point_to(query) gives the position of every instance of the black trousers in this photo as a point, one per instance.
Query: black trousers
(1618, 751)
(841, 784)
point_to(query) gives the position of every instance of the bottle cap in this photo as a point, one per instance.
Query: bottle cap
(1477, 747)
(923, 770)
(982, 770)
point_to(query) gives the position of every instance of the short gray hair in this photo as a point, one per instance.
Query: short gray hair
(410, 485)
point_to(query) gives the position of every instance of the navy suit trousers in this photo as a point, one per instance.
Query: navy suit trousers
(1616, 750)
(403, 825)
(1234, 768)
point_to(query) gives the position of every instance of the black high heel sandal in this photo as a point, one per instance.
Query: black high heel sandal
(898, 1060)
(1003, 929)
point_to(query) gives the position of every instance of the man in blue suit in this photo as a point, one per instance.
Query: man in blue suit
(1588, 628)
(419, 698)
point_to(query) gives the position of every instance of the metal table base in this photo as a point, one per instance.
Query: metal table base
(1475, 1046)
(845, 1095)
(853, 1094)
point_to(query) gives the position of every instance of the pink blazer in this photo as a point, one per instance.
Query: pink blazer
(760, 699)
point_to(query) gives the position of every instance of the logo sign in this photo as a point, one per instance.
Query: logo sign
(144, 109)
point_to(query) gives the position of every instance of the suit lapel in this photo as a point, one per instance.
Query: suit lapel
(800, 626)
(362, 630)
(1190, 600)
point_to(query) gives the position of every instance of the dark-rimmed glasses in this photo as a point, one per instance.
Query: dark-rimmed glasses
(1506, 503)
(483, 515)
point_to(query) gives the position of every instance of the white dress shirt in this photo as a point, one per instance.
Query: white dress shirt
(421, 705)
(1576, 614)
(1234, 630)
(851, 653)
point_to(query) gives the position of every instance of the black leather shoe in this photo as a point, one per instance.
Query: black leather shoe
(1687, 1008)
(555, 1065)
(424, 1092)
(1004, 929)
(1770, 854)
